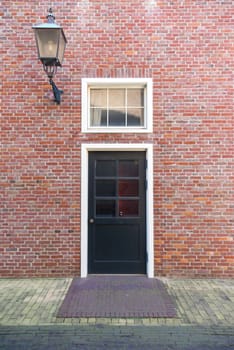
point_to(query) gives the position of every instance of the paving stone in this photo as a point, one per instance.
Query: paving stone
(115, 337)
(205, 310)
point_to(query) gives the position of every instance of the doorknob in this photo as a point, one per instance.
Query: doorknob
(91, 221)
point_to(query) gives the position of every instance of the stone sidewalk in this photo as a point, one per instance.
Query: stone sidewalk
(28, 308)
(36, 301)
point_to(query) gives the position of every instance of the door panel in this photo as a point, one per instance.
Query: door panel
(116, 240)
(111, 243)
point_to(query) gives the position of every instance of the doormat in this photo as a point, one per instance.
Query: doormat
(117, 296)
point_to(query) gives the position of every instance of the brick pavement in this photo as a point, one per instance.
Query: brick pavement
(115, 337)
(36, 301)
(28, 320)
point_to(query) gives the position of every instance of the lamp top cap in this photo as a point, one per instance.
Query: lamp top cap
(49, 24)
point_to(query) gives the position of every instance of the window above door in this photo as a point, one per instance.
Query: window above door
(117, 105)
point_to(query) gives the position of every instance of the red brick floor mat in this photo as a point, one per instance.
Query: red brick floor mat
(117, 296)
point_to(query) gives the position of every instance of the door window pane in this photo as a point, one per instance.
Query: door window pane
(128, 168)
(128, 208)
(105, 168)
(128, 188)
(105, 207)
(105, 188)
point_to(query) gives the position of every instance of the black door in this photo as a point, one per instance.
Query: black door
(117, 225)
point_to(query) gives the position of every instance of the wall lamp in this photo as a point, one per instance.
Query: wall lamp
(51, 43)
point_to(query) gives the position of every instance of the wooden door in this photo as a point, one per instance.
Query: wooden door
(117, 219)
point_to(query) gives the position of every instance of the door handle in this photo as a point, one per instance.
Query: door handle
(91, 221)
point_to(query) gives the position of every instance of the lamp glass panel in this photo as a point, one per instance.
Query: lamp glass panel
(61, 49)
(47, 41)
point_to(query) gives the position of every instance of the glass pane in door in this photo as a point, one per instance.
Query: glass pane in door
(128, 188)
(128, 207)
(128, 168)
(105, 188)
(105, 207)
(105, 168)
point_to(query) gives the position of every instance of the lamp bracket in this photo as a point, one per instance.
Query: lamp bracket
(57, 93)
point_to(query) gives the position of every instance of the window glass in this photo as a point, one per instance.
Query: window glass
(128, 208)
(105, 207)
(135, 97)
(105, 188)
(128, 168)
(135, 117)
(116, 107)
(128, 188)
(116, 98)
(105, 168)
(117, 117)
(98, 98)
(98, 117)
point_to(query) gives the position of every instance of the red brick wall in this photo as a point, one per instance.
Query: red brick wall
(187, 48)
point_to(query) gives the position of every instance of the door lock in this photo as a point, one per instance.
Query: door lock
(91, 221)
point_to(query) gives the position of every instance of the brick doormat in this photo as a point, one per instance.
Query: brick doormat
(117, 296)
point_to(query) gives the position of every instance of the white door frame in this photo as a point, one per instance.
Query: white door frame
(85, 149)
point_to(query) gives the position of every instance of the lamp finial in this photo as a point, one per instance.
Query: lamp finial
(50, 16)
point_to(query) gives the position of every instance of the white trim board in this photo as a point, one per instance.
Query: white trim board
(115, 82)
(85, 149)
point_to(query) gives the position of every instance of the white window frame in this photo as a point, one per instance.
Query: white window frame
(89, 147)
(88, 83)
